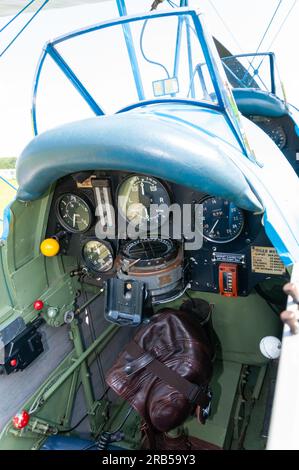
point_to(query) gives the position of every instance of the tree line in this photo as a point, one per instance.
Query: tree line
(8, 163)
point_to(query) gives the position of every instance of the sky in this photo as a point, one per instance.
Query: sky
(239, 24)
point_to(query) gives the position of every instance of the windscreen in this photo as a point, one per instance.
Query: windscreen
(122, 64)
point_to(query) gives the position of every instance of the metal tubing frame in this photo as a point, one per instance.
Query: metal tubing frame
(183, 3)
(99, 26)
(122, 10)
(71, 76)
(8, 183)
(71, 399)
(123, 21)
(271, 56)
(78, 367)
(178, 47)
(217, 83)
(52, 51)
(100, 343)
(84, 371)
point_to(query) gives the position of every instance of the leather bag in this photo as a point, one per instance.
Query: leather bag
(164, 373)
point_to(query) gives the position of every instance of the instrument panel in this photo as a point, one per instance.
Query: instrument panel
(138, 195)
(74, 213)
(223, 221)
(86, 205)
(283, 133)
(274, 129)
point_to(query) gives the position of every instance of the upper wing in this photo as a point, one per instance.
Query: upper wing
(11, 7)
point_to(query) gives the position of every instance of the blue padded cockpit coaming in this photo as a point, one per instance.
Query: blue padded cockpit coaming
(140, 143)
(251, 101)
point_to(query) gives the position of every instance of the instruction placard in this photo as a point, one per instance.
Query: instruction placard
(265, 260)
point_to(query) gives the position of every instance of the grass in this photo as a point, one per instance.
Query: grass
(6, 196)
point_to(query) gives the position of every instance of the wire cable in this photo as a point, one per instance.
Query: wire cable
(143, 53)
(17, 15)
(268, 27)
(91, 327)
(229, 31)
(220, 17)
(65, 431)
(282, 24)
(24, 27)
(262, 40)
(278, 32)
(108, 434)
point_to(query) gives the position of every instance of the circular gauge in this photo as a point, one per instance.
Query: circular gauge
(141, 200)
(278, 136)
(148, 248)
(98, 256)
(73, 213)
(223, 221)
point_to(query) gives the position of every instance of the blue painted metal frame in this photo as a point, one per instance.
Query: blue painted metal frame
(6, 222)
(8, 183)
(6, 213)
(74, 80)
(191, 74)
(218, 84)
(199, 104)
(178, 47)
(121, 5)
(124, 21)
(35, 90)
(271, 56)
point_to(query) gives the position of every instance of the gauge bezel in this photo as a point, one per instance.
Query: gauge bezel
(60, 218)
(150, 262)
(162, 183)
(220, 242)
(88, 264)
(282, 132)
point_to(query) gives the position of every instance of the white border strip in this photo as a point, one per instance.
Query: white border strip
(284, 428)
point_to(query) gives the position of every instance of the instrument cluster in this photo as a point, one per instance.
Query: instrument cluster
(92, 203)
(282, 131)
(274, 128)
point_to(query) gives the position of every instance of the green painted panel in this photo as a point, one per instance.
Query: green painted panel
(24, 227)
(240, 323)
(30, 281)
(27, 227)
(5, 301)
(52, 410)
(224, 385)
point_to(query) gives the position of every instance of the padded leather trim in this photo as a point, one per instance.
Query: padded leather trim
(251, 101)
(141, 143)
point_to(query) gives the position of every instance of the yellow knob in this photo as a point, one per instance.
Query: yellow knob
(50, 247)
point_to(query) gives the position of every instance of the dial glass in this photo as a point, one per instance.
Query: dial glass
(148, 249)
(223, 221)
(74, 213)
(98, 256)
(136, 195)
(278, 135)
